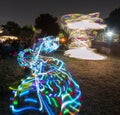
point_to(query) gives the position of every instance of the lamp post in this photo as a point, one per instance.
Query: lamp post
(109, 38)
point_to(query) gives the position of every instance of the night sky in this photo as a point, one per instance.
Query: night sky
(25, 11)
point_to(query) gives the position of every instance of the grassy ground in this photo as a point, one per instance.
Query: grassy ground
(99, 82)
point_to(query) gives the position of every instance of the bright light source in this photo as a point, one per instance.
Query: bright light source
(84, 53)
(85, 24)
(1, 31)
(109, 34)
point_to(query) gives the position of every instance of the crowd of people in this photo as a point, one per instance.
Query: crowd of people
(10, 48)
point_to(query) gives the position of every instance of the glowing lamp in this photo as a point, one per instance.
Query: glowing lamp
(63, 40)
(110, 33)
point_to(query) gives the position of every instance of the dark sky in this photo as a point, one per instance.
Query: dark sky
(25, 11)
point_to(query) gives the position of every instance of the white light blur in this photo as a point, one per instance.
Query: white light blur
(109, 33)
(84, 53)
(1, 31)
(85, 24)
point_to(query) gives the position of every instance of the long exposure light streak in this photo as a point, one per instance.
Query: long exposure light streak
(50, 84)
(82, 30)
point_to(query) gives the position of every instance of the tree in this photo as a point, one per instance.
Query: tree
(12, 28)
(27, 31)
(113, 21)
(48, 24)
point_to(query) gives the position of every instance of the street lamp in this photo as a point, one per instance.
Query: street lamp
(109, 34)
(109, 37)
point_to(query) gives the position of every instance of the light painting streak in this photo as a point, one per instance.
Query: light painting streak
(82, 30)
(50, 84)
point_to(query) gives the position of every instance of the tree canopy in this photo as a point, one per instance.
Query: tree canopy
(113, 21)
(48, 24)
(12, 28)
(27, 31)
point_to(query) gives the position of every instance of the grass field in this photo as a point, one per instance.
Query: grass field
(99, 82)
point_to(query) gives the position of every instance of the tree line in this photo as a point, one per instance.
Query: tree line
(48, 25)
(113, 20)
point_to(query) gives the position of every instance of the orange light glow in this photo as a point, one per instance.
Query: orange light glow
(63, 40)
